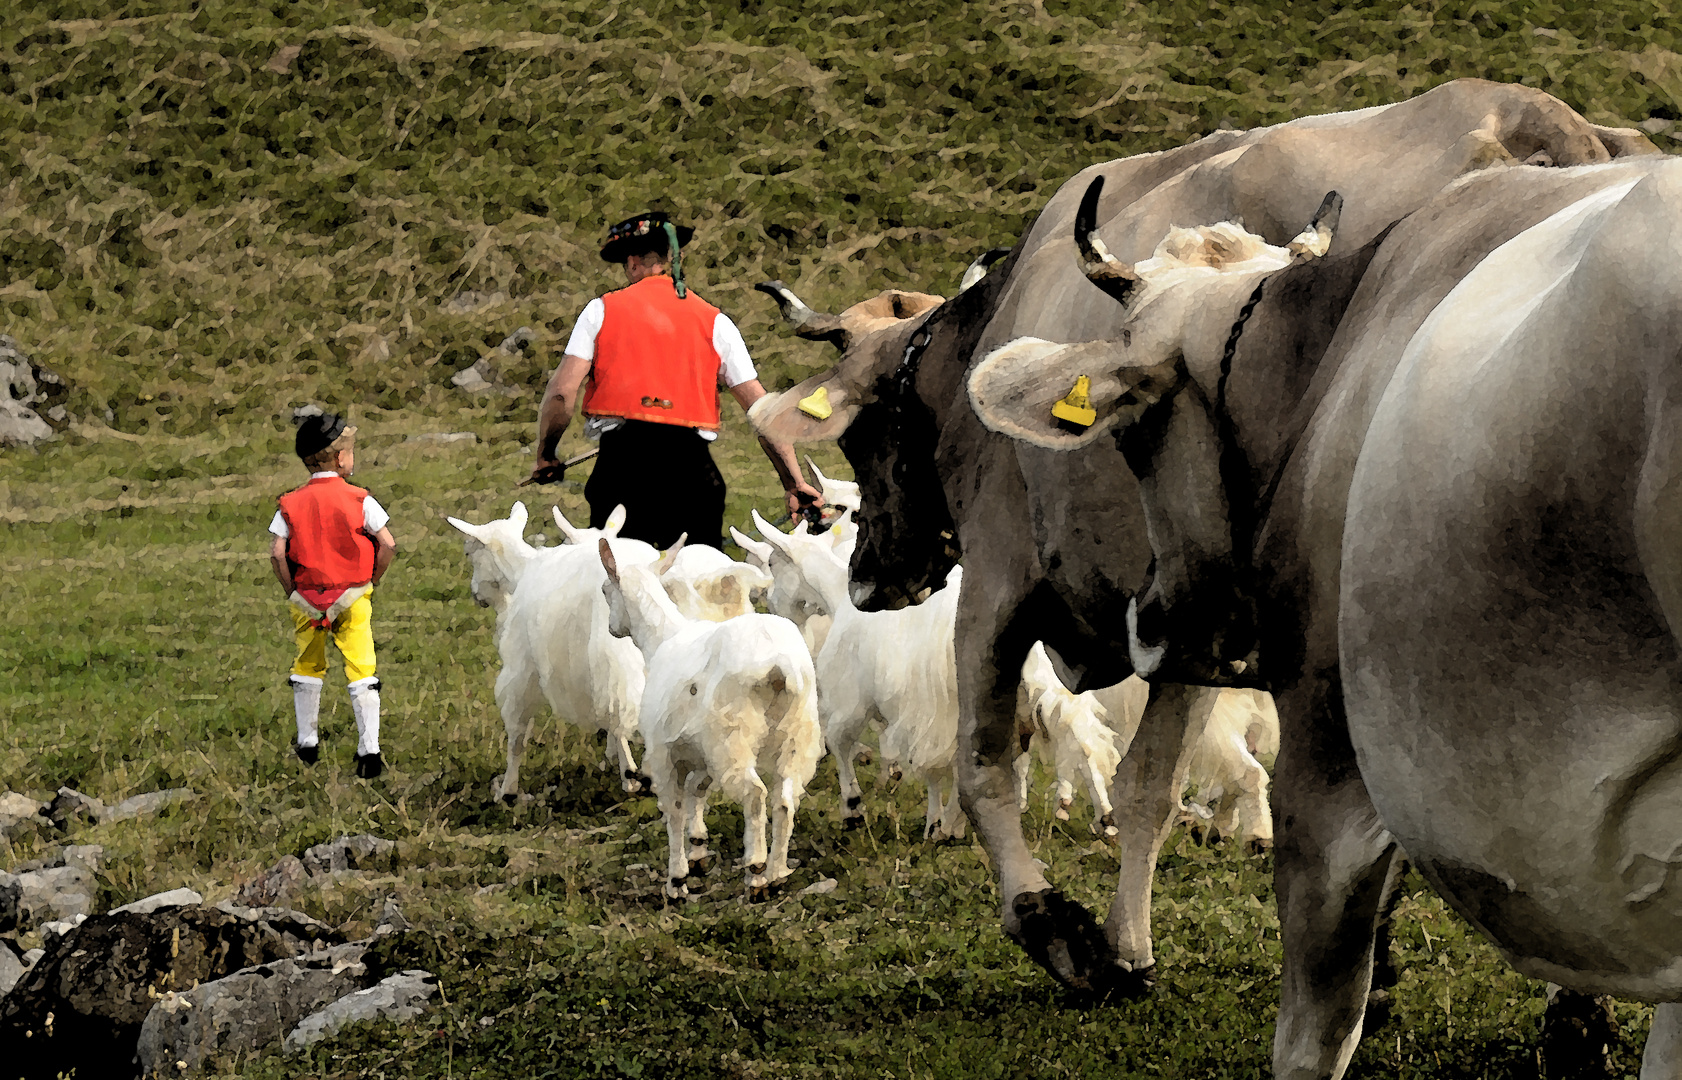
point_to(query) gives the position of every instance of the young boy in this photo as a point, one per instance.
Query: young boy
(331, 548)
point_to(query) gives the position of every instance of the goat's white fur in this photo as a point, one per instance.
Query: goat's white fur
(730, 704)
(898, 667)
(552, 636)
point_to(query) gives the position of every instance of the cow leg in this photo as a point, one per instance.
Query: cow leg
(1662, 1059)
(1331, 859)
(1058, 933)
(1146, 801)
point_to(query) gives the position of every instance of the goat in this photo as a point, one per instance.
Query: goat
(724, 703)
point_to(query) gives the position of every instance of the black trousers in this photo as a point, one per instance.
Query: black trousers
(665, 477)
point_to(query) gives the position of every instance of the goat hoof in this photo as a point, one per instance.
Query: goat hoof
(1261, 845)
(699, 864)
(865, 757)
(853, 821)
(895, 774)
(676, 889)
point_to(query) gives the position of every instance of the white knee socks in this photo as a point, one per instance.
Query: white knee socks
(306, 702)
(365, 705)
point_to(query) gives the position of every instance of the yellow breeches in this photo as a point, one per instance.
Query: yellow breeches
(353, 633)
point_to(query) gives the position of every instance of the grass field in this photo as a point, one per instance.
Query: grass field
(201, 229)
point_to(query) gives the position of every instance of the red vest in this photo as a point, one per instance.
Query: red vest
(655, 359)
(327, 546)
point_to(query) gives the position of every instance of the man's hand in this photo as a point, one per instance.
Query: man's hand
(547, 471)
(802, 496)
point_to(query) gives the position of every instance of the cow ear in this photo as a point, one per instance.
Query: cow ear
(816, 410)
(567, 528)
(1014, 387)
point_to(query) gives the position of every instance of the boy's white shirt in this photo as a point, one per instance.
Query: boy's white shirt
(374, 517)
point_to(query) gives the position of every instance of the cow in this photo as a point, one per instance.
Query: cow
(1455, 524)
(1054, 544)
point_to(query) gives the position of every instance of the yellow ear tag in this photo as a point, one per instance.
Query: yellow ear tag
(1077, 407)
(816, 404)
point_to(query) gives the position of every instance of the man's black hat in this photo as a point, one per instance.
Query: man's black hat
(641, 235)
(317, 433)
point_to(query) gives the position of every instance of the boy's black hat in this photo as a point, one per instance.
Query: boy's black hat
(640, 235)
(317, 433)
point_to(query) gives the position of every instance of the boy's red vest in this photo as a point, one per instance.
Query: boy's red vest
(655, 359)
(327, 546)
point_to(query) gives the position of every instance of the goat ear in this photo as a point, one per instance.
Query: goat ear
(608, 562)
(518, 516)
(567, 528)
(837, 526)
(670, 557)
(615, 521)
(467, 527)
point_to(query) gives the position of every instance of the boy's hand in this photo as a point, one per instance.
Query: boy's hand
(282, 568)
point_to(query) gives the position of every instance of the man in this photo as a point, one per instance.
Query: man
(649, 359)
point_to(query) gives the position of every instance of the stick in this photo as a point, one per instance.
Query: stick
(567, 464)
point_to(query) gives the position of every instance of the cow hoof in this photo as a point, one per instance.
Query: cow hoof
(1576, 1030)
(1378, 1011)
(1064, 938)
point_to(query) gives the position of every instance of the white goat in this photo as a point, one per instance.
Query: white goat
(1078, 735)
(726, 703)
(898, 667)
(1231, 783)
(553, 638)
(840, 494)
(705, 583)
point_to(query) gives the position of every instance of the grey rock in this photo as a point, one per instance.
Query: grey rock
(514, 344)
(391, 919)
(245, 1010)
(397, 997)
(18, 812)
(469, 302)
(87, 856)
(98, 982)
(60, 892)
(12, 968)
(173, 898)
(473, 379)
(71, 805)
(444, 437)
(818, 888)
(60, 927)
(149, 803)
(24, 388)
(32, 957)
(283, 882)
(11, 900)
(360, 852)
(1656, 125)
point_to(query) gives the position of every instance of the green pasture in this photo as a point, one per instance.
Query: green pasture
(212, 212)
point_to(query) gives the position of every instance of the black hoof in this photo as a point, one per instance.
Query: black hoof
(369, 766)
(511, 798)
(1064, 938)
(855, 802)
(854, 822)
(699, 867)
(1577, 1031)
(1258, 847)
(1378, 1011)
(309, 755)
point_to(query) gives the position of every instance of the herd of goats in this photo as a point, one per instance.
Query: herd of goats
(1410, 462)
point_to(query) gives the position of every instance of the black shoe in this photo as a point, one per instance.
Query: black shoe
(369, 766)
(307, 754)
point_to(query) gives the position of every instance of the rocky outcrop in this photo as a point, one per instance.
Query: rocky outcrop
(82, 1005)
(397, 997)
(32, 398)
(246, 1009)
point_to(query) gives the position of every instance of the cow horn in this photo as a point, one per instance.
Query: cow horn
(806, 323)
(1315, 240)
(978, 269)
(1100, 267)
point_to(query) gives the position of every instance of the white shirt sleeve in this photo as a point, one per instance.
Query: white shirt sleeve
(735, 365)
(278, 526)
(374, 516)
(582, 343)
